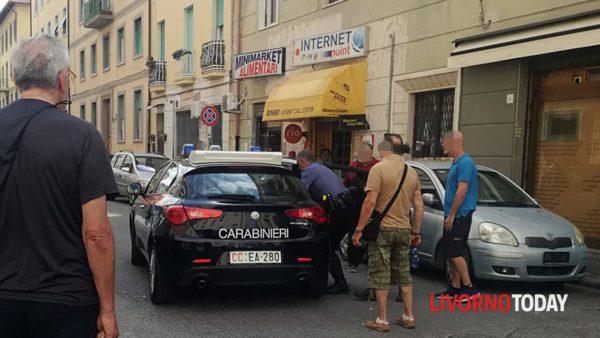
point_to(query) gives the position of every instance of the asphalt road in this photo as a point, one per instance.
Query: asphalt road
(279, 312)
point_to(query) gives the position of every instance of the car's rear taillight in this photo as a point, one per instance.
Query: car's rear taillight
(317, 214)
(179, 214)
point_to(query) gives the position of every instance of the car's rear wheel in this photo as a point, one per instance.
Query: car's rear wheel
(136, 255)
(161, 289)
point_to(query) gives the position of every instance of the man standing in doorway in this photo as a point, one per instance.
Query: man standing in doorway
(460, 202)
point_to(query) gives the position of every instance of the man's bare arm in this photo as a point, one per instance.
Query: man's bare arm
(418, 212)
(459, 198)
(367, 209)
(100, 248)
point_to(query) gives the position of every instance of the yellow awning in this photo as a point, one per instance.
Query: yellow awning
(329, 92)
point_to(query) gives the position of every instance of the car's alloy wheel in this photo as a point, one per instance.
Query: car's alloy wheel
(162, 290)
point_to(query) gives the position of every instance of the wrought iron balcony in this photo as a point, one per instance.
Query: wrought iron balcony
(97, 14)
(185, 70)
(157, 77)
(212, 60)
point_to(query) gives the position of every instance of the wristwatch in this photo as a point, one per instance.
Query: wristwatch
(357, 229)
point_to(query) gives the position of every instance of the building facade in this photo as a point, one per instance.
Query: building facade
(189, 73)
(108, 44)
(437, 66)
(14, 25)
(50, 17)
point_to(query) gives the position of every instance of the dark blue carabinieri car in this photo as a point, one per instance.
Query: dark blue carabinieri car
(228, 218)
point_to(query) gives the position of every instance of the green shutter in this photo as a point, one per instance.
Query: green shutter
(189, 28)
(219, 13)
(138, 36)
(161, 41)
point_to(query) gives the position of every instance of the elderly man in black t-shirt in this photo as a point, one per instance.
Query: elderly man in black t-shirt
(56, 244)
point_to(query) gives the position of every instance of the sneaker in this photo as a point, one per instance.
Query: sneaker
(365, 294)
(373, 325)
(470, 291)
(451, 292)
(353, 269)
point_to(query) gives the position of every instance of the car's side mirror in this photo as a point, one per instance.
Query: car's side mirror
(134, 189)
(429, 200)
(127, 169)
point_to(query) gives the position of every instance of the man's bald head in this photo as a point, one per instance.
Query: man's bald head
(453, 143)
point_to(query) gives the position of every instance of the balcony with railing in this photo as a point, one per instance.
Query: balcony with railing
(212, 60)
(97, 14)
(157, 77)
(4, 85)
(185, 69)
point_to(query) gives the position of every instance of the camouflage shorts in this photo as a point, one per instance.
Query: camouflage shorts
(389, 262)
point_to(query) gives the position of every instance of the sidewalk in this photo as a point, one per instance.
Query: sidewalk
(592, 278)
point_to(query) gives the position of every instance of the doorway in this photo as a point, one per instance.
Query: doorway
(187, 130)
(564, 138)
(106, 119)
(160, 132)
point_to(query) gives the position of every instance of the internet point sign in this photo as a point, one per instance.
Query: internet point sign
(349, 43)
(263, 63)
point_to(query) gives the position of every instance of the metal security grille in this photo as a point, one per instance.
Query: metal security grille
(433, 118)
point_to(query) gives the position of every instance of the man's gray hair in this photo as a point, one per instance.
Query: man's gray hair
(307, 155)
(37, 61)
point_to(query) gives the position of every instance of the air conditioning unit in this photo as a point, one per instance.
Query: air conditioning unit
(229, 103)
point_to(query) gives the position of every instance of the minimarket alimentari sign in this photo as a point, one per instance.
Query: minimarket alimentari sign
(261, 63)
(345, 44)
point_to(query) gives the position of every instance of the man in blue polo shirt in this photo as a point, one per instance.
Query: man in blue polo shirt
(460, 202)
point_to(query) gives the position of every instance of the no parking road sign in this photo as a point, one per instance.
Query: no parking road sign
(209, 115)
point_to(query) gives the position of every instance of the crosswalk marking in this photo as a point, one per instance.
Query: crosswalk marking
(110, 214)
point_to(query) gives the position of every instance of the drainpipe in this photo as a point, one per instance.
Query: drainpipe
(391, 83)
(149, 96)
(236, 8)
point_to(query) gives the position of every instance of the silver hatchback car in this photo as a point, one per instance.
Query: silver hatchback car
(512, 237)
(129, 167)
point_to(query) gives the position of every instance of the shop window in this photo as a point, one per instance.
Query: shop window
(267, 134)
(434, 113)
(561, 125)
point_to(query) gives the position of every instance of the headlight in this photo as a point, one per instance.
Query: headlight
(496, 234)
(579, 239)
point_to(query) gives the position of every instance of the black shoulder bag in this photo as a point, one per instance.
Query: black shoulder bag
(371, 230)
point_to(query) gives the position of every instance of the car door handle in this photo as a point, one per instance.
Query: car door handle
(142, 206)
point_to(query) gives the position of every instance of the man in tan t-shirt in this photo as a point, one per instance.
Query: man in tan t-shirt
(388, 256)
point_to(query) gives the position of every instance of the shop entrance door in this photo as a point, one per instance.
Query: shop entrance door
(565, 143)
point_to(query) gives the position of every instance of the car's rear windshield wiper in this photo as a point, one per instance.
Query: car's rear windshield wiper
(237, 197)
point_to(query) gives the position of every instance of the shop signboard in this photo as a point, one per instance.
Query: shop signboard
(345, 44)
(354, 122)
(261, 63)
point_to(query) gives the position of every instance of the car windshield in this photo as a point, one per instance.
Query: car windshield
(245, 187)
(495, 190)
(149, 163)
